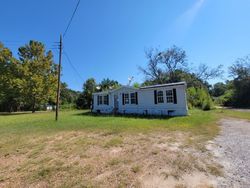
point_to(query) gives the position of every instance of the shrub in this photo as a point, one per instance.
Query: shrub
(207, 104)
(199, 98)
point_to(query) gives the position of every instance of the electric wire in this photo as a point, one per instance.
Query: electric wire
(72, 66)
(70, 21)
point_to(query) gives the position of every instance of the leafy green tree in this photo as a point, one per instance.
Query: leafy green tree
(240, 71)
(136, 85)
(81, 102)
(85, 99)
(199, 98)
(39, 74)
(10, 81)
(218, 89)
(68, 96)
(107, 84)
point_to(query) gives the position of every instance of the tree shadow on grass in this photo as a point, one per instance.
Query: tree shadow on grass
(134, 116)
(20, 113)
(12, 113)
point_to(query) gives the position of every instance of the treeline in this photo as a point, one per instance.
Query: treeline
(235, 92)
(91, 86)
(29, 82)
(164, 67)
(171, 65)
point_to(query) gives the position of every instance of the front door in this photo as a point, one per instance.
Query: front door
(116, 103)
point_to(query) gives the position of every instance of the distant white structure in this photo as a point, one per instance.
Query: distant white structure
(49, 107)
(165, 99)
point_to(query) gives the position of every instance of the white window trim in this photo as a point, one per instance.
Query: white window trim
(133, 98)
(105, 102)
(99, 98)
(160, 97)
(126, 99)
(170, 98)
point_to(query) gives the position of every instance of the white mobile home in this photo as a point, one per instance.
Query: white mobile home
(165, 99)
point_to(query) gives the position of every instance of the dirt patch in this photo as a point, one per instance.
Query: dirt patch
(78, 158)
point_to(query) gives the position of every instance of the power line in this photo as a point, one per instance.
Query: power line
(72, 66)
(65, 32)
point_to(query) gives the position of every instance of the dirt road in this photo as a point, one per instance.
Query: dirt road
(232, 149)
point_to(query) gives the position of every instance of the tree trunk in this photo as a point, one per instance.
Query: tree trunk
(33, 106)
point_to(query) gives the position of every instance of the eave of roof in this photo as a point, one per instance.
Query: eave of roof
(145, 87)
(111, 91)
(164, 85)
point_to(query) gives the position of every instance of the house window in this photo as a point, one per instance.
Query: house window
(99, 98)
(133, 98)
(169, 96)
(105, 99)
(160, 97)
(126, 98)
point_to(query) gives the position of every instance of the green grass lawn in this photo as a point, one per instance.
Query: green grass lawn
(35, 149)
(82, 120)
(235, 113)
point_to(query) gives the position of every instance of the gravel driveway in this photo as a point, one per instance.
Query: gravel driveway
(232, 150)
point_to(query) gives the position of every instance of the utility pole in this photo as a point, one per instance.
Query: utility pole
(59, 77)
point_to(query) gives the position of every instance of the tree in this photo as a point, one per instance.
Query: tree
(162, 65)
(10, 81)
(107, 84)
(171, 66)
(80, 102)
(206, 73)
(85, 98)
(89, 87)
(136, 85)
(240, 71)
(67, 96)
(218, 89)
(39, 74)
(199, 97)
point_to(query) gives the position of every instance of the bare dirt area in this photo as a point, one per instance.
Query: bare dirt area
(232, 150)
(83, 159)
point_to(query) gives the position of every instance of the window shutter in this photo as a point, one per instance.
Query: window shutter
(107, 99)
(123, 99)
(136, 98)
(175, 96)
(98, 100)
(155, 95)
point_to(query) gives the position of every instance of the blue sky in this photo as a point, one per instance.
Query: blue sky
(107, 38)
